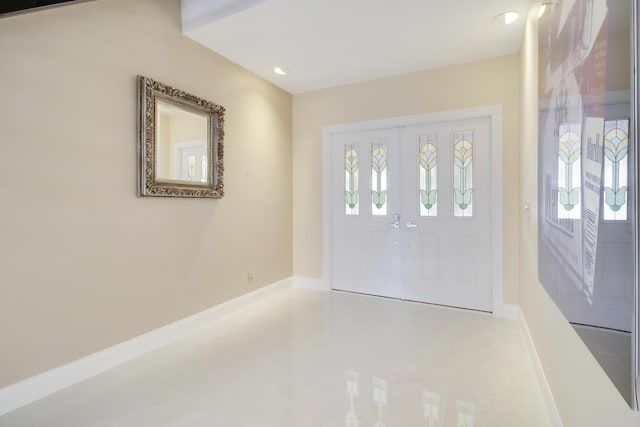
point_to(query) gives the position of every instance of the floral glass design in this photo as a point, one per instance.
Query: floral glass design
(616, 164)
(191, 168)
(463, 174)
(378, 178)
(204, 168)
(569, 170)
(351, 179)
(428, 175)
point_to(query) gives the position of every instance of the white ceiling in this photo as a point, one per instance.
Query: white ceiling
(326, 43)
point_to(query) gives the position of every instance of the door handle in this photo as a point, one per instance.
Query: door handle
(410, 224)
(396, 221)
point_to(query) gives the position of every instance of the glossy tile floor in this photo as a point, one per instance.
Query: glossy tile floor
(306, 358)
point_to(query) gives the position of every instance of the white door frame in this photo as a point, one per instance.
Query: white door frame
(494, 113)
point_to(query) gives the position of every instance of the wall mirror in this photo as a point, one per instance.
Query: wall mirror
(180, 143)
(588, 176)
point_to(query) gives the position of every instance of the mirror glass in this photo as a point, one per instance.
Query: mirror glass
(181, 152)
(180, 143)
(587, 177)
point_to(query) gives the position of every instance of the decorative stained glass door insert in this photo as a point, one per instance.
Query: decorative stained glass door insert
(462, 174)
(428, 175)
(378, 178)
(351, 173)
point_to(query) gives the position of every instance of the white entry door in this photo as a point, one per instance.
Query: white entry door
(412, 213)
(367, 250)
(446, 192)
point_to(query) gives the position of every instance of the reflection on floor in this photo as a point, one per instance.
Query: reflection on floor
(612, 349)
(305, 358)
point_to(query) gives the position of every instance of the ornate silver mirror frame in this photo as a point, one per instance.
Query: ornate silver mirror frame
(180, 143)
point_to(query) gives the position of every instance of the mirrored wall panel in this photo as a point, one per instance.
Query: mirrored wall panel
(587, 177)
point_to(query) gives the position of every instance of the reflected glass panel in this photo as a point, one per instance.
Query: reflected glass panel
(569, 172)
(616, 169)
(586, 179)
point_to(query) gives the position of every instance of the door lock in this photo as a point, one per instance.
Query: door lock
(396, 221)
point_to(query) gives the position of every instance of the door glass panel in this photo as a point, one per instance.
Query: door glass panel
(462, 174)
(191, 167)
(378, 178)
(616, 161)
(569, 171)
(351, 179)
(203, 165)
(428, 185)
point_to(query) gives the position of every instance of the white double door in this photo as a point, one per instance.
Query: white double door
(411, 213)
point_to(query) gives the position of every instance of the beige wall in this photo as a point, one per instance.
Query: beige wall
(489, 82)
(86, 264)
(582, 391)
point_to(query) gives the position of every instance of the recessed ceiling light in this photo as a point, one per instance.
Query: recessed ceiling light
(280, 71)
(541, 10)
(506, 18)
(546, 6)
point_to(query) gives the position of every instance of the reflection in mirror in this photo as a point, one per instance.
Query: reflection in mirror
(181, 153)
(434, 408)
(380, 399)
(431, 402)
(587, 177)
(466, 414)
(180, 143)
(352, 394)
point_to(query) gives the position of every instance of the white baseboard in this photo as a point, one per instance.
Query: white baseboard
(309, 283)
(511, 312)
(506, 311)
(27, 391)
(547, 396)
